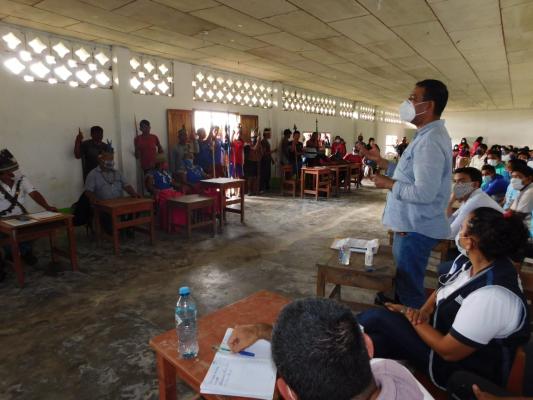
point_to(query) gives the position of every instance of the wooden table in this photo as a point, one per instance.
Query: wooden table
(222, 185)
(262, 306)
(133, 207)
(337, 170)
(192, 204)
(354, 275)
(321, 181)
(14, 235)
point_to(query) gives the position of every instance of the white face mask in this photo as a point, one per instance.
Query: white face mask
(17, 175)
(516, 184)
(461, 249)
(492, 162)
(506, 157)
(463, 189)
(530, 164)
(408, 111)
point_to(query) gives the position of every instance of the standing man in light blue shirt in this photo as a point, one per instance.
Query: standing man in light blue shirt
(418, 190)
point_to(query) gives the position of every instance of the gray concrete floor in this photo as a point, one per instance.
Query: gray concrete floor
(85, 335)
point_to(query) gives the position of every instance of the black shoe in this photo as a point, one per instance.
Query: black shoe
(30, 259)
(381, 299)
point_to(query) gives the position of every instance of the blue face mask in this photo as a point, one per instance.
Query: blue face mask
(487, 179)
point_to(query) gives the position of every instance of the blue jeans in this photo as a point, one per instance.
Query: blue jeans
(411, 252)
(394, 337)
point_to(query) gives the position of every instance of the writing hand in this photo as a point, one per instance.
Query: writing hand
(51, 208)
(242, 337)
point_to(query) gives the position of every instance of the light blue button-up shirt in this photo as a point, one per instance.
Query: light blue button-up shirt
(419, 197)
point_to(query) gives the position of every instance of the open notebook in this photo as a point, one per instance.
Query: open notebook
(236, 375)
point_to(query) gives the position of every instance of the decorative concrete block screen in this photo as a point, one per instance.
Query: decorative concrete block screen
(151, 75)
(35, 56)
(299, 100)
(346, 109)
(218, 87)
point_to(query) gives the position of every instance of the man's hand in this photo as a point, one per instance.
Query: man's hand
(244, 336)
(383, 182)
(480, 395)
(51, 208)
(79, 136)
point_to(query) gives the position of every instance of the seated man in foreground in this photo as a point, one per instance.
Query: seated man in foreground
(14, 189)
(320, 353)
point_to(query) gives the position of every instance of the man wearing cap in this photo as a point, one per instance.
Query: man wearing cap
(14, 189)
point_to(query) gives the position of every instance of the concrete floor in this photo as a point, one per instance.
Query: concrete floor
(85, 335)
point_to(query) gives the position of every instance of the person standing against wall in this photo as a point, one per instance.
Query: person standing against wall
(266, 161)
(147, 146)
(419, 189)
(88, 150)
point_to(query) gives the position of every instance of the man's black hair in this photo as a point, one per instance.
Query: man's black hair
(435, 90)
(96, 129)
(473, 173)
(496, 153)
(483, 146)
(144, 122)
(523, 169)
(488, 168)
(287, 132)
(319, 350)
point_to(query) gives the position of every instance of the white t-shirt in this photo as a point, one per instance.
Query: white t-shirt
(478, 198)
(490, 312)
(478, 161)
(524, 201)
(25, 189)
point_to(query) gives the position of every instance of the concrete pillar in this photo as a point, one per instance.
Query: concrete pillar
(124, 118)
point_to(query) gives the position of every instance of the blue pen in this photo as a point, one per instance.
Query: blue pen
(242, 352)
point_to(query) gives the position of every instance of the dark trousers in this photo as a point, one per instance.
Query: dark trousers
(265, 173)
(394, 337)
(460, 386)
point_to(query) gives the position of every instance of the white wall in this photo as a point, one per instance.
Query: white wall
(40, 123)
(39, 126)
(497, 127)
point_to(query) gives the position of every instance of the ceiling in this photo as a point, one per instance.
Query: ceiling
(368, 50)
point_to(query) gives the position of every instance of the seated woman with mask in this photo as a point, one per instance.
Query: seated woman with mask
(478, 316)
(163, 187)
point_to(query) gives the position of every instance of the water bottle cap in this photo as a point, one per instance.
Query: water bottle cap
(184, 291)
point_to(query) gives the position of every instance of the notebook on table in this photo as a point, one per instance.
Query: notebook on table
(233, 374)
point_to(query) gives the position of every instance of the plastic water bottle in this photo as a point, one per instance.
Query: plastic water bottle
(186, 324)
(344, 254)
(369, 259)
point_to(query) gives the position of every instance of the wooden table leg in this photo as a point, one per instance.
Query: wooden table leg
(317, 185)
(53, 254)
(17, 263)
(152, 226)
(302, 183)
(321, 284)
(223, 203)
(242, 202)
(169, 215)
(166, 375)
(116, 233)
(72, 245)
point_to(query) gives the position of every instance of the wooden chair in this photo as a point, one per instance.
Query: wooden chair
(324, 184)
(356, 174)
(288, 182)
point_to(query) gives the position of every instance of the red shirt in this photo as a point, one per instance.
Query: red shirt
(147, 146)
(338, 147)
(353, 158)
(237, 152)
